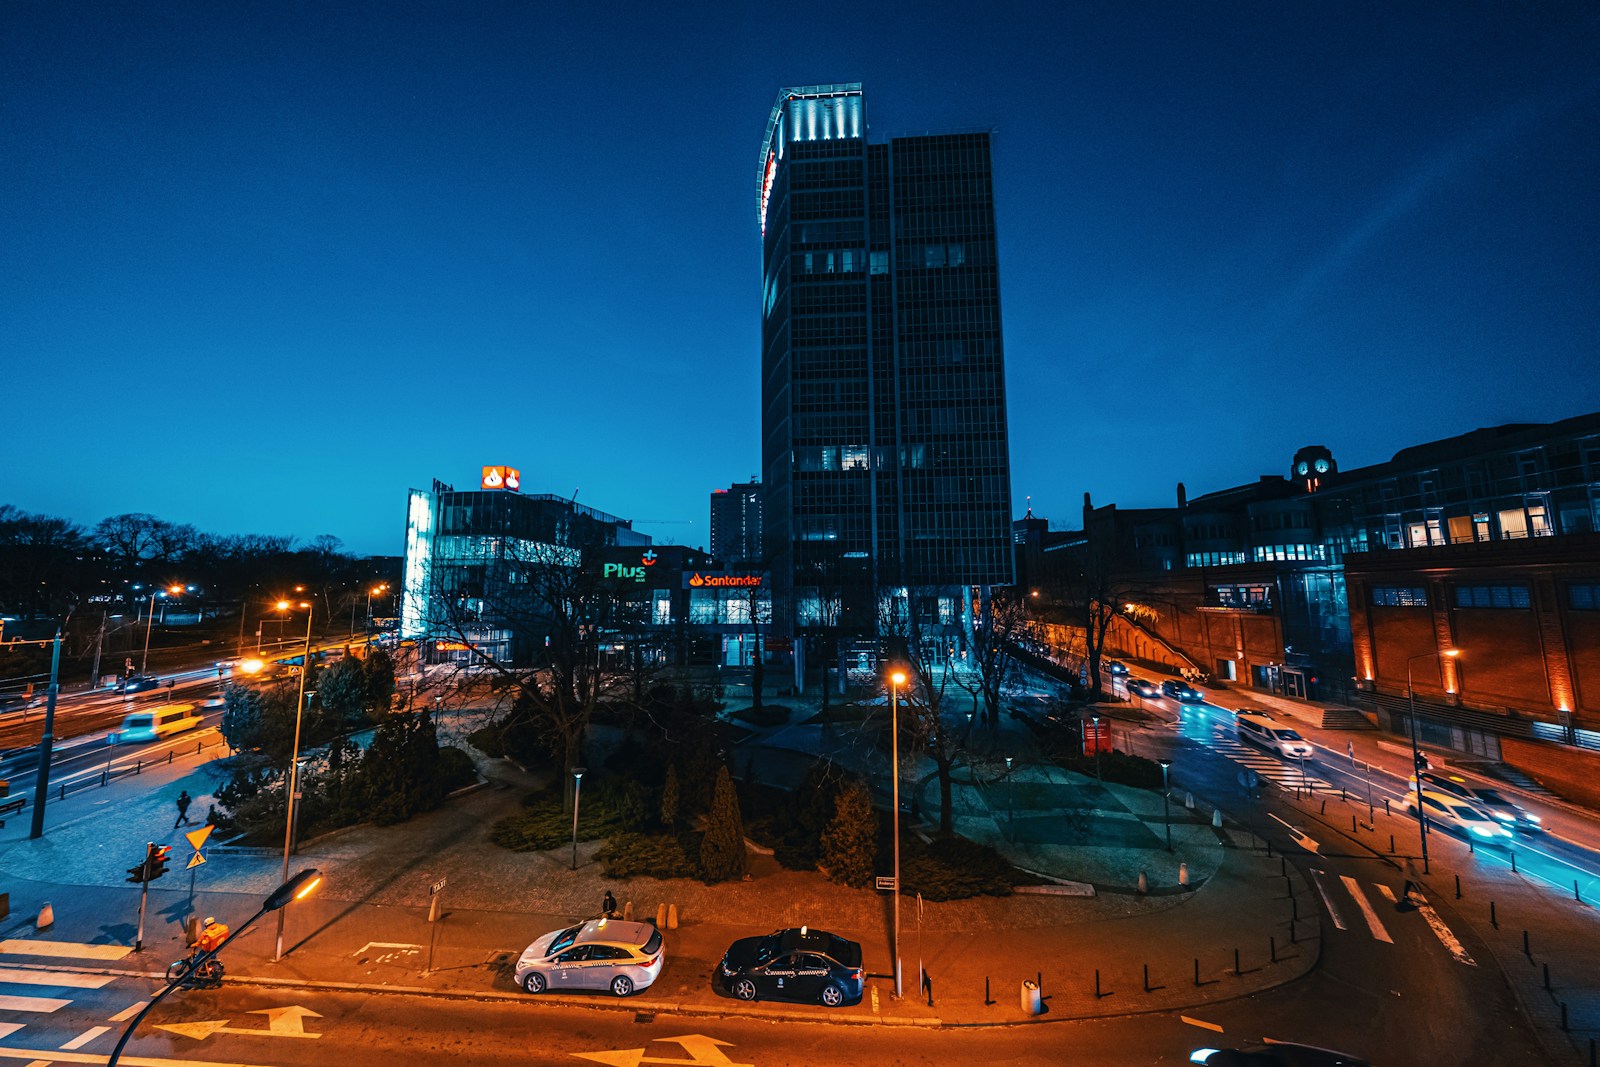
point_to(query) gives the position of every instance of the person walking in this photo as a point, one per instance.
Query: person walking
(1350, 747)
(184, 800)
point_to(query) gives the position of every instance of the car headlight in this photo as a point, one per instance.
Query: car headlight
(1531, 818)
(1484, 831)
(726, 970)
(1202, 1055)
(1503, 817)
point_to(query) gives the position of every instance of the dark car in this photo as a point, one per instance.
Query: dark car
(1116, 667)
(1181, 692)
(137, 683)
(1141, 687)
(801, 964)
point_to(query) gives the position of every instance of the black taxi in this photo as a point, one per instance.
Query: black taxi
(795, 964)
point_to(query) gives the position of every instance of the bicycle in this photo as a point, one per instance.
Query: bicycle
(207, 974)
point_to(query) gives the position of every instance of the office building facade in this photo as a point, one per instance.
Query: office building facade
(885, 463)
(736, 522)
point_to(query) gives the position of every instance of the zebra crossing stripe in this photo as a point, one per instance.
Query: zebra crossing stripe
(1327, 901)
(39, 1004)
(1373, 923)
(87, 1036)
(7, 1029)
(1446, 937)
(70, 949)
(16, 976)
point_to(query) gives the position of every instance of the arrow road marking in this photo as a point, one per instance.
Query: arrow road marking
(281, 1022)
(1365, 905)
(703, 1051)
(1299, 838)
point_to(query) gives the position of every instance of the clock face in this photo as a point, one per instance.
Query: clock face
(1322, 466)
(1300, 468)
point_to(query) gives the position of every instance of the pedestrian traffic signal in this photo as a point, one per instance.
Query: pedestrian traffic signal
(157, 863)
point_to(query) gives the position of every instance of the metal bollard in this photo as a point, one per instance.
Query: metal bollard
(1324, 807)
(63, 795)
(138, 766)
(987, 1000)
(1458, 887)
(1492, 920)
(1342, 797)
(1147, 978)
(1391, 844)
(1526, 951)
(1513, 861)
(1352, 824)
(170, 754)
(1236, 971)
(1386, 811)
(1575, 894)
(1197, 972)
(1272, 948)
(1097, 983)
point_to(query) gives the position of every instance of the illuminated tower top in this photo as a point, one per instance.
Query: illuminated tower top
(806, 113)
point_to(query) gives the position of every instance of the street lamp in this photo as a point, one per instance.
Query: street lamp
(896, 680)
(1166, 817)
(377, 590)
(1416, 754)
(294, 766)
(150, 618)
(296, 888)
(577, 795)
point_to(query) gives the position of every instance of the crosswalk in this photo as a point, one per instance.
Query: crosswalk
(1349, 905)
(40, 978)
(1286, 776)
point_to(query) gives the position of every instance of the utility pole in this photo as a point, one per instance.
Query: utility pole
(99, 641)
(41, 788)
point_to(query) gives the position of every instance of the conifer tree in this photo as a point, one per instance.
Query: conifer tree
(722, 849)
(669, 798)
(850, 843)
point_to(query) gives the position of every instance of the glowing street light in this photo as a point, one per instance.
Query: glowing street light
(896, 680)
(1416, 754)
(294, 769)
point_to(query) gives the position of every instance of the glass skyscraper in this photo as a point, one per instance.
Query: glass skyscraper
(885, 467)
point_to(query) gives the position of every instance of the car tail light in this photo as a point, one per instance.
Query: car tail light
(857, 974)
(651, 962)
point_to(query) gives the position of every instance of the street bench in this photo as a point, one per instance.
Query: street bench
(12, 806)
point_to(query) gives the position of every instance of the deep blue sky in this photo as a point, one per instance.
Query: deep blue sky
(263, 266)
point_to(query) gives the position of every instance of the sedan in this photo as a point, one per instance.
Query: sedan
(1502, 807)
(137, 683)
(1277, 1054)
(1142, 687)
(801, 964)
(1452, 813)
(1181, 691)
(623, 957)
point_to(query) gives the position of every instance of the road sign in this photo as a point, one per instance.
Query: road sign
(194, 861)
(197, 838)
(886, 884)
(436, 888)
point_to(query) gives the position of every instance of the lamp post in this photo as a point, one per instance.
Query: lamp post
(1166, 818)
(1011, 796)
(294, 767)
(296, 888)
(896, 680)
(1416, 754)
(377, 590)
(150, 619)
(577, 795)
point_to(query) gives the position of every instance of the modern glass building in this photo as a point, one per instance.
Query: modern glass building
(885, 467)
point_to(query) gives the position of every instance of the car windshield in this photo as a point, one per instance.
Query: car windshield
(767, 949)
(1494, 796)
(138, 720)
(563, 940)
(1289, 735)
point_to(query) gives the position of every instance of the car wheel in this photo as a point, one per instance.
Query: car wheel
(534, 982)
(622, 985)
(744, 989)
(832, 995)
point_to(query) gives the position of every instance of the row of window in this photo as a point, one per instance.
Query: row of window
(1581, 596)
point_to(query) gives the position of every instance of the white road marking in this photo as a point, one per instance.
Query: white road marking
(49, 1056)
(1201, 1023)
(87, 1036)
(7, 1029)
(129, 1012)
(72, 949)
(1444, 934)
(39, 1004)
(1354, 888)
(1327, 901)
(55, 978)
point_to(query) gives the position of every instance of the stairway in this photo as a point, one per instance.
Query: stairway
(1522, 781)
(1345, 719)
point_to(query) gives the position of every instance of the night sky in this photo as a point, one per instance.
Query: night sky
(264, 266)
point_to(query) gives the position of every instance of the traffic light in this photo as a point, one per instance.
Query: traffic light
(141, 873)
(157, 863)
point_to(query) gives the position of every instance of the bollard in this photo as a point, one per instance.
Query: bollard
(1492, 920)
(1272, 946)
(1197, 972)
(103, 782)
(1236, 972)
(1458, 887)
(627, 912)
(1352, 824)
(1183, 875)
(1324, 807)
(1513, 861)
(672, 916)
(47, 917)
(661, 916)
(63, 795)
(1097, 993)
(987, 1000)
(1188, 801)
(1472, 847)
(1547, 978)
(170, 754)
(1216, 818)
(138, 766)
(1386, 810)
(1342, 798)
(1144, 883)
(1391, 844)
(1526, 951)
(1147, 978)
(1283, 866)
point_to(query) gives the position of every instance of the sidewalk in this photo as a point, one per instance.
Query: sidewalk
(366, 926)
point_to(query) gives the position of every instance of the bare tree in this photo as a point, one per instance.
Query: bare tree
(934, 731)
(996, 624)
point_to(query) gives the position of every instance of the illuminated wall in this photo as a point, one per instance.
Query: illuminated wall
(420, 523)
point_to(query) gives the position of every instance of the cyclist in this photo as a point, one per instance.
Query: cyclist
(212, 935)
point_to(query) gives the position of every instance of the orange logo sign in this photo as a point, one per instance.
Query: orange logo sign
(502, 478)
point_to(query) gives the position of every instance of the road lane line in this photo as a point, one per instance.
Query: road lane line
(48, 1056)
(129, 1012)
(1327, 901)
(1354, 889)
(17, 976)
(1201, 1023)
(71, 949)
(1443, 933)
(39, 1004)
(87, 1036)
(7, 1029)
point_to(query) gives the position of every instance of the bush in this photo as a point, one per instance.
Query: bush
(722, 849)
(850, 843)
(630, 855)
(1117, 767)
(545, 822)
(456, 769)
(953, 868)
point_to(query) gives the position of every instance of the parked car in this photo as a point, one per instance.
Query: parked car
(1181, 692)
(797, 964)
(1271, 734)
(623, 957)
(1142, 687)
(1452, 813)
(1277, 1054)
